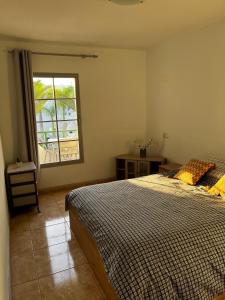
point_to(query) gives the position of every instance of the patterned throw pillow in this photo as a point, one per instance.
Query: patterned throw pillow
(218, 188)
(191, 172)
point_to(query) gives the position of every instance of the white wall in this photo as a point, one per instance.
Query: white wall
(113, 104)
(4, 236)
(185, 98)
(186, 94)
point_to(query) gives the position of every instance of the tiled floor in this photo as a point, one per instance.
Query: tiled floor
(46, 260)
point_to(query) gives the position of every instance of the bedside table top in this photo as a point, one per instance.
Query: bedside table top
(137, 157)
(26, 167)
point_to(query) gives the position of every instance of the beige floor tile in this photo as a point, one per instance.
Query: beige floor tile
(61, 206)
(45, 206)
(40, 246)
(52, 213)
(67, 216)
(51, 209)
(37, 221)
(27, 291)
(60, 197)
(46, 218)
(47, 200)
(64, 212)
(51, 235)
(58, 258)
(58, 249)
(61, 194)
(46, 196)
(73, 284)
(23, 269)
(19, 223)
(21, 244)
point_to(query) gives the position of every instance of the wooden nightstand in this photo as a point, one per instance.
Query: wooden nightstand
(131, 166)
(22, 186)
(164, 169)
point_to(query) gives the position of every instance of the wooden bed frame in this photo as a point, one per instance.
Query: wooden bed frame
(89, 248)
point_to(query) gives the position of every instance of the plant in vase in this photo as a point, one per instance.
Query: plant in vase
(142, 148)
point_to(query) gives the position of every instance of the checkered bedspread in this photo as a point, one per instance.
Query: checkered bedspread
(159, 238)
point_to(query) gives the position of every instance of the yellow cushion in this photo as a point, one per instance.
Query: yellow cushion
(192, 172)
(218, 188)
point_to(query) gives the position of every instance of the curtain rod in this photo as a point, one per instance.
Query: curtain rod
(63, 54)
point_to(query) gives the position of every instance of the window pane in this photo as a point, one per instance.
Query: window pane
(66, 109)
(45, 110)
(48, 153)
(64, 87)
(47, 132)
(68, 130)
(43, 88)
(68, 135)
(67, 125)
(69, 150)
(44, 137)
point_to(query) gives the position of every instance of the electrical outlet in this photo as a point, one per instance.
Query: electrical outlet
(165, 135)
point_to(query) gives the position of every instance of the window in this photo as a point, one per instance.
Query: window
(58, 118)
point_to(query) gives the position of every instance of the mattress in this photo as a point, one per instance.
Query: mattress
(158, 237)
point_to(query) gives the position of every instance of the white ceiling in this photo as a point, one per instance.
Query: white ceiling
(103, 23)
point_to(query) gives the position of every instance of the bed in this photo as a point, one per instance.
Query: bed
(151, 238)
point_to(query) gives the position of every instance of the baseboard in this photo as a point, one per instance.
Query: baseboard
(76, 185)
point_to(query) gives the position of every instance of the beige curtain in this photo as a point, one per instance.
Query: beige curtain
(27, 131)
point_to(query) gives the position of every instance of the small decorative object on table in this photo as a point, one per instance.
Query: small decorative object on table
(143, 147)
(19, 163)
